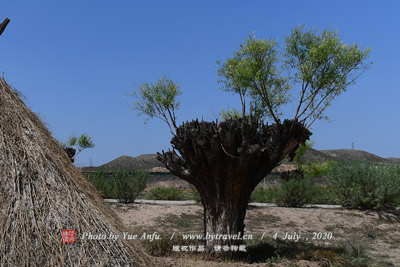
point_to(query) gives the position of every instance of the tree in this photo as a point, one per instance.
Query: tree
(159, 100)
(226, 160)
(83, 142)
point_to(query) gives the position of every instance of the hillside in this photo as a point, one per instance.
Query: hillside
(394, 160)
(142, 162)
(149, 161)
(346, 154)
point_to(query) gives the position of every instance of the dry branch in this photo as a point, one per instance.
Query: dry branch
(3, 25)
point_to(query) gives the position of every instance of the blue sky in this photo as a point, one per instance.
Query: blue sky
(75, 61)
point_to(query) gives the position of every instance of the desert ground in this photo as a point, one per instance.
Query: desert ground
(370, 238)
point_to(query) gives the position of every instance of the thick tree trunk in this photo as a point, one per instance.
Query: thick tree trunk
(225, 162)
(223, 224)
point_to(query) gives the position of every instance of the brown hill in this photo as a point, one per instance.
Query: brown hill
(316, 155)
(149, 161)
(352, 154)
(394, 160)
(142, 162)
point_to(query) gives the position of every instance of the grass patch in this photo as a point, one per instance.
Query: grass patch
(166, 193)
(262, 195)
(182, 223)
(278, 251)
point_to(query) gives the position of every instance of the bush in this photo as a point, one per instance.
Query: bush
(195, 194)
(165, 193)
(262, 195)
(102, 182)
(322, 195)
(365, 185)
(129, 184)
(295, 192)
(318, 169)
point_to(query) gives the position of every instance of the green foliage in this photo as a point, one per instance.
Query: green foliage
(72, 141)
(324, 66)
(195, 194)
(319, 64)
(129, 184)
(158, 100)
(262, 195)
(83, 142)
(103, 183)
(300, 152)
(365, 185)
(253, 71)
(165, 193)
(322, 195)
(315, 195)
(230, 114)
(295, 193)
(318, 169)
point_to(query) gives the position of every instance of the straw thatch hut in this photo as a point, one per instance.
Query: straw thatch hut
(42, 193)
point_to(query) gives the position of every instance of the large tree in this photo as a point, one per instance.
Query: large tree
(226, 160)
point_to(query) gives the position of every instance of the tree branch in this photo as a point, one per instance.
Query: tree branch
(303, 91)
(3, 25)
(266, 100)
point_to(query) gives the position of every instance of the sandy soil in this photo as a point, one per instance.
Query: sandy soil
(378, 234)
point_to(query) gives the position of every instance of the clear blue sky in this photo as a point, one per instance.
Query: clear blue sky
(76, 60)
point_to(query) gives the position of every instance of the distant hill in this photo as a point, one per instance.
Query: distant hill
(142, 162)
(149, 161)
(352, 154)
(394, 160)
(316, 155)
(345, 154)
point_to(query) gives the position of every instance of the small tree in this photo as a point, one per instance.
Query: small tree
(225, 161)
(83, 142)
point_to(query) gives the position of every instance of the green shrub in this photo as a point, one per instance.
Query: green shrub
(322, 195)
(365, 185)
(262, 195)
(318, 169)
(195, 194)
(165, 193)
(129, 184)
(102, 182)
(295, 192)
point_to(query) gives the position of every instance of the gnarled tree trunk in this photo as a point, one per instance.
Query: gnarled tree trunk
(225, 161)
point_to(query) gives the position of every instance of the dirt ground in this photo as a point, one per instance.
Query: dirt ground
(373, 235)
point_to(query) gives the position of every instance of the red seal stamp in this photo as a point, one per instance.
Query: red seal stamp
(68, 236)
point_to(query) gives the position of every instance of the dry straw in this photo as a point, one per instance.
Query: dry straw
(42, 193)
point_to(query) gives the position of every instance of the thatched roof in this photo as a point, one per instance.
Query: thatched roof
(42, 193)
